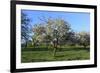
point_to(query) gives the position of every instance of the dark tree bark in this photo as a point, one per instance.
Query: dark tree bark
(26, 44)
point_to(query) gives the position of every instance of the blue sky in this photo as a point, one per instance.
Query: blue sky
(78, 21)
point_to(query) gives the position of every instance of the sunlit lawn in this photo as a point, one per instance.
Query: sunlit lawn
(32, 55)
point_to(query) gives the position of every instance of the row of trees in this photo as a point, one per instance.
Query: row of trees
(55, 32)
(58, 32)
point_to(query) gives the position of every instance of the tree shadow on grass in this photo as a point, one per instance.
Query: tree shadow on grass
(73, 49)
(58, 56)
(58, 49)
(35, 49)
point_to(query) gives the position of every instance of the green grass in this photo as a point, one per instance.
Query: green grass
(62, 54)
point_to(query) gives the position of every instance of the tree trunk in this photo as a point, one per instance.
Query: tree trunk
(54, 52)
(25, 44)
(84, 46)
(47, 44)
(34, 45)
(55, 48)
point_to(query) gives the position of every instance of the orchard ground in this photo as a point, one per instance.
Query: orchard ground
(64, 53)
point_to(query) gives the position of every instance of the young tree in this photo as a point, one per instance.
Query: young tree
(38, 33)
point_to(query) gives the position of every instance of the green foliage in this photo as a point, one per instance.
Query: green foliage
(25, 30)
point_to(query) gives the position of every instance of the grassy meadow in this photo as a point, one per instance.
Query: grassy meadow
(62, 54)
